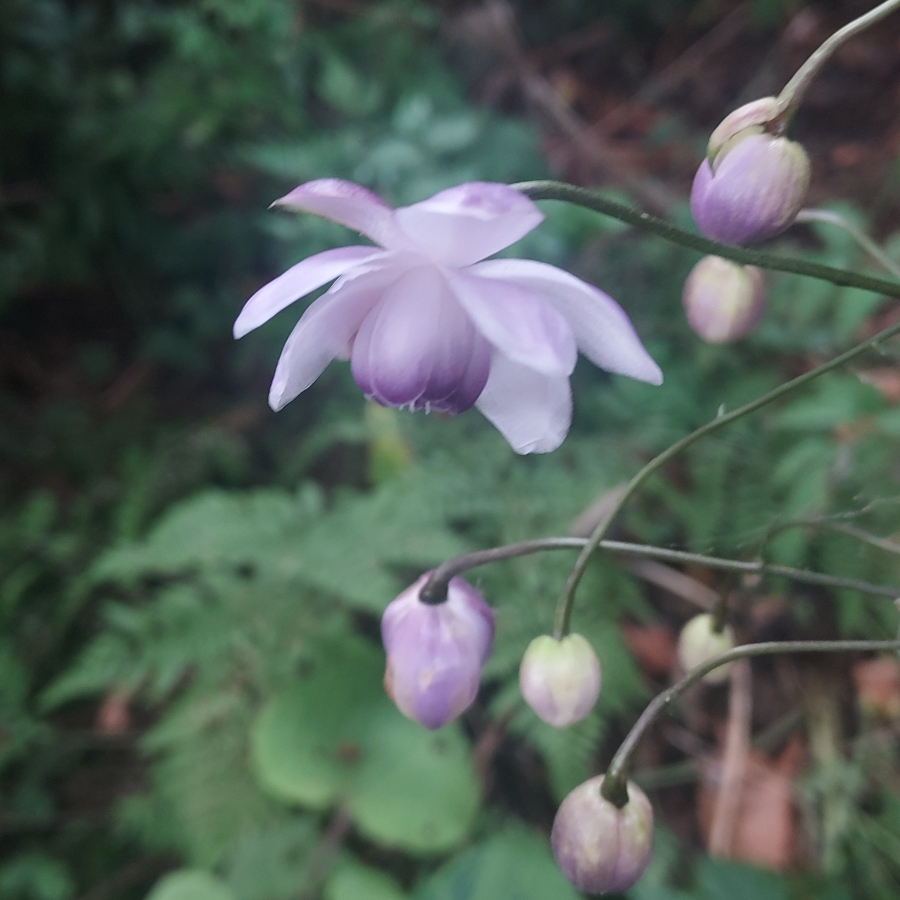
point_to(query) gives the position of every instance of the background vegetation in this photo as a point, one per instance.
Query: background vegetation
(190, 585)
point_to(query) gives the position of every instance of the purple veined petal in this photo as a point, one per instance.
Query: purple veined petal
(324, 331)
(602, 330)
(532, 411)
(349, 204)
(415, 347)
(299, 280)
(520, 323)
(472, 221)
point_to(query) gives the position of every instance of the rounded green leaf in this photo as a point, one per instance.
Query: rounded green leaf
(306, 744)
(515, 865)
(336, 738)
(190, 884)
(416, 789)
(351, 880)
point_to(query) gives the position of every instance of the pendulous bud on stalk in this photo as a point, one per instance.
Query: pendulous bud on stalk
(435, 651)
(560, 679)
(752, 184)
(723, 301)
(599, 847)
(699, 643)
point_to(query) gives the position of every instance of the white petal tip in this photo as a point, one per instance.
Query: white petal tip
(539, 446)
(276, 398)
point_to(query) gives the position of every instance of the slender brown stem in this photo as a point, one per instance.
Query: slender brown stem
(564, 606)
(614, 788)
(435, 589)
(792, 94)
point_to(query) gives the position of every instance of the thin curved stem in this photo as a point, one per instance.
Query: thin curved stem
(435, 589)
(792, 94)
(569, 193)
(614, 788)
(564, 606)
(838, 527)
(861, 238)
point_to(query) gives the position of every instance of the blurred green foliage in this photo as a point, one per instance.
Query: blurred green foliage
(221, 582)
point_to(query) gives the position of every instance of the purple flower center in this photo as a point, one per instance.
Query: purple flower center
(418, 348)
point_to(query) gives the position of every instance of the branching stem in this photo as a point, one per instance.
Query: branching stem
(614, 789)
(435, 589)
(564, 606)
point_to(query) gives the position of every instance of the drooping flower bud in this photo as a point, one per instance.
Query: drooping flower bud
(560, 680)
(599, 847)
(754, 115)
(722, 300)
(752, 185)
(435, 651)
(699, 643)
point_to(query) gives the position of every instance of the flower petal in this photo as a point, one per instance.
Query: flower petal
(518, 322)
(603, 331)
(469, 222)
(351, 205)
(306, 276)
(324, 331)
(532, 411)
(415, 348)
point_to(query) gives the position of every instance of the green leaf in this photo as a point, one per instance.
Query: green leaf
(719, 879)
(351, 880)
(190, 884)
(514, 865)
(336, 739)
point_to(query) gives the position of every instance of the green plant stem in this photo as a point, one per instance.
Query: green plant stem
(564, 606)
(614, 783)
(792, 94)
(861, 238)
(435, 589)
(556, 190)
(839, 528)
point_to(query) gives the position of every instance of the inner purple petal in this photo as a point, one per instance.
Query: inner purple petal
(417, 348)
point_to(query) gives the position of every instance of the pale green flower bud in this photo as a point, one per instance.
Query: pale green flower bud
(560, 680)
(698, 643)
(722, 300)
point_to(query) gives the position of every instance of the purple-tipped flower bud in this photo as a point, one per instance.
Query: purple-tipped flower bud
(560, 680)
(722, 300)
(435, 652)
(752, 190)
(698, 643)
(754, 116)
(599, 847)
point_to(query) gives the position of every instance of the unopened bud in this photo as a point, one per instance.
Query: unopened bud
(699, 643)
(599, 847)
(722, 300)
(560, 679)
(435, 651)
(754, 116)
(752, 190)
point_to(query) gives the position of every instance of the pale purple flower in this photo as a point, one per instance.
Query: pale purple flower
(426, 323)
(435, 651)
(599, 848)
(752, 190)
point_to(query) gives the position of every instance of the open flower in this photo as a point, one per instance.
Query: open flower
(426, 324)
